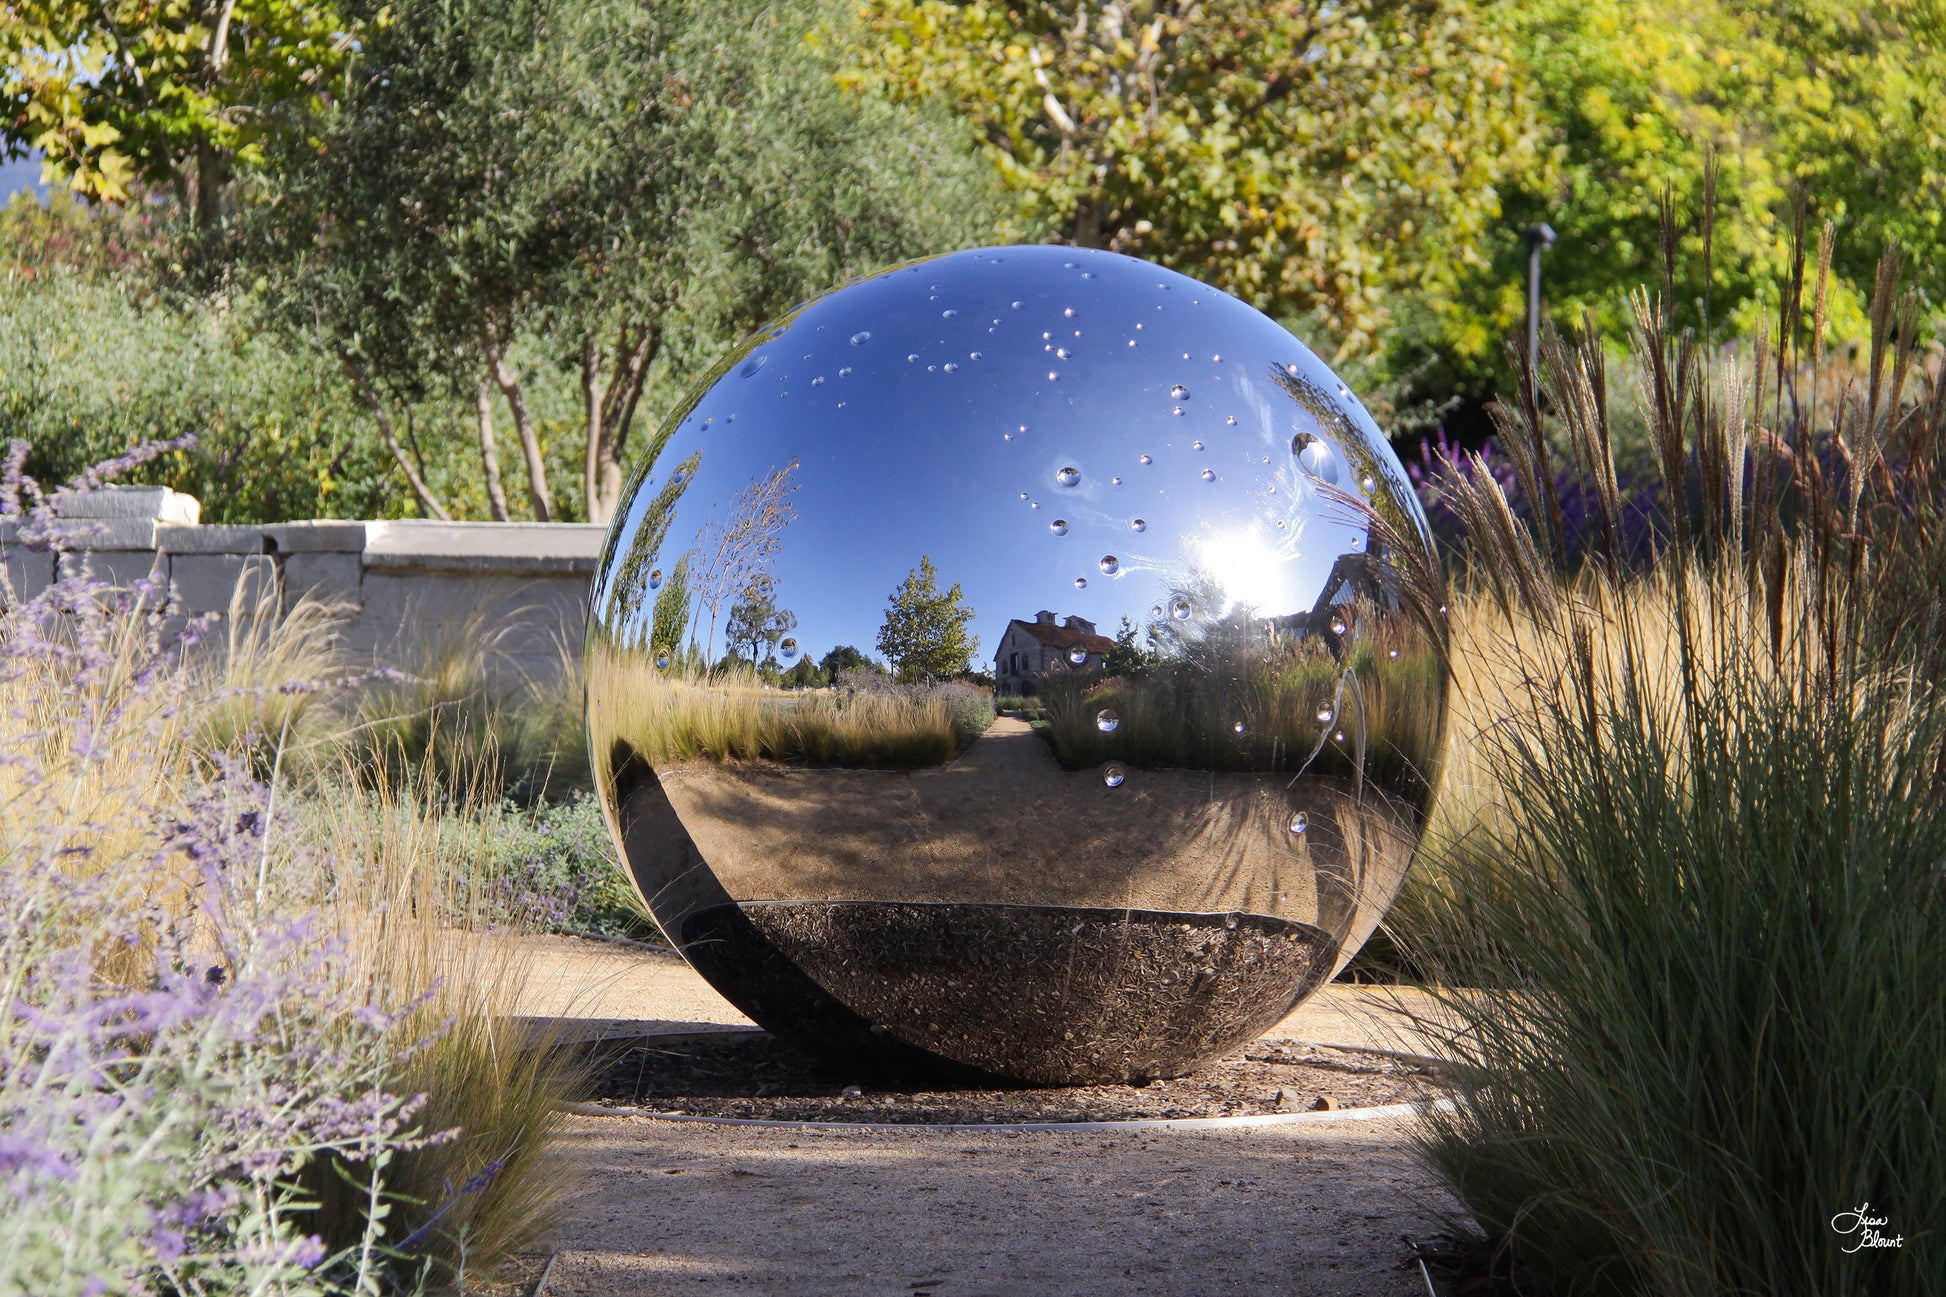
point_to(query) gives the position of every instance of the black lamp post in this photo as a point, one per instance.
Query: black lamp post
(1539, 238)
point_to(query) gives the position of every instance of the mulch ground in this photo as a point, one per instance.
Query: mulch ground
(751, 1074)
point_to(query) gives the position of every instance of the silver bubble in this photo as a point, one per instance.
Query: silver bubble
(823, 850)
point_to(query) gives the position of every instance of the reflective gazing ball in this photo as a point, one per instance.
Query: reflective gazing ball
(1025, 661)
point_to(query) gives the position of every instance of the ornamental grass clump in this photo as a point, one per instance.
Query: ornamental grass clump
(1697, 927)
(207, 995)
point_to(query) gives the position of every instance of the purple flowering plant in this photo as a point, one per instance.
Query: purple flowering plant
(178, 1033)
(1442, 466)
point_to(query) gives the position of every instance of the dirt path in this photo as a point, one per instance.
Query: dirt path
(679, 1209)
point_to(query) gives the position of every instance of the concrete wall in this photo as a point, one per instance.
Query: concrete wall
(406, 591)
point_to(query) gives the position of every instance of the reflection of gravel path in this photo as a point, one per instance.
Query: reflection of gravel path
(1005, 824)
(668, 1208)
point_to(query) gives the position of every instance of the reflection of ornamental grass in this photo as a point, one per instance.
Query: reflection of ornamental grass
(673, 716)
(1184, 713)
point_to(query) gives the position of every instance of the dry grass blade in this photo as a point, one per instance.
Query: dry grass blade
(1686, 877)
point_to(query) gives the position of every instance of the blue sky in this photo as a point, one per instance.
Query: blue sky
(19, 174)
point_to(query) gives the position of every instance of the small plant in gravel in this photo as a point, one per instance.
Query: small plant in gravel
(206, 997)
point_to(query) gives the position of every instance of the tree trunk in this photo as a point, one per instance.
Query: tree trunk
(490, 454)
(212, 173)
(428, 502)
(530, 442)
(212, 163)
(610, 412)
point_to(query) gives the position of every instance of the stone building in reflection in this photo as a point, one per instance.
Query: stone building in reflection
(1032, 654)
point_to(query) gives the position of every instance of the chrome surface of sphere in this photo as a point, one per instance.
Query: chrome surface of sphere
(1200, 581)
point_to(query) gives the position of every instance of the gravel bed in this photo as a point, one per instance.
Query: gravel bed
(751, 1074)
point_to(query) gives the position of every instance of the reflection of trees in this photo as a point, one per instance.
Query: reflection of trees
(924, 635)
(733, 551)
(1361, 460)
(671, 615)
(1191, 614)
(629, 586)
(755, 619)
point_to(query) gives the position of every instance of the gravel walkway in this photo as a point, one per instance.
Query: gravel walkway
(682, 1208)
(668, 1208)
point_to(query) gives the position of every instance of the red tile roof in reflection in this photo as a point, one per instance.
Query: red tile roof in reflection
(1062, 637)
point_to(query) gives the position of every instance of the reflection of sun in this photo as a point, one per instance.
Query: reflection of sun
(1251, 567)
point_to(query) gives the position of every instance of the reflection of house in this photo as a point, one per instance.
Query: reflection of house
(1353, 577)
(1034, 653)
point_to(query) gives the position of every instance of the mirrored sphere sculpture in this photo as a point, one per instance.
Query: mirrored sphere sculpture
(1199, 580)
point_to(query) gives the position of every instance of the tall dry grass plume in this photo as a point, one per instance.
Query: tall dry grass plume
(1686, 919)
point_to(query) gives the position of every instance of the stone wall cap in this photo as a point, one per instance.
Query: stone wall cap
(226, 538)
(106, 533)
(115, 500)
(319, 535)
(485, 546)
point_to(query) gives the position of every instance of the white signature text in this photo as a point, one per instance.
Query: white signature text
(1863, 1227)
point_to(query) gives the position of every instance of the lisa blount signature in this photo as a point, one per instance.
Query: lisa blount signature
(1864, 1226)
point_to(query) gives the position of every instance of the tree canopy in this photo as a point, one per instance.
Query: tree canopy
(925, 635)
(1312, 159)
(1835, 101)
(615, 180)
(757, 623)
(175, 95)
(1365, 170)
(425, 221)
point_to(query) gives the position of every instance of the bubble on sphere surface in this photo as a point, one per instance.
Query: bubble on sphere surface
(871, 862)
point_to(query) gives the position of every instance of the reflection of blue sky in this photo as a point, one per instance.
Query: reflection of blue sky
(924, 437)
